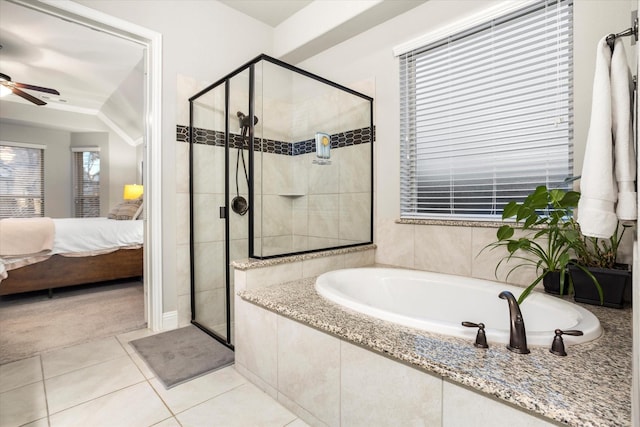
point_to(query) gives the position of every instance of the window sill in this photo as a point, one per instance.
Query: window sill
(450, 222)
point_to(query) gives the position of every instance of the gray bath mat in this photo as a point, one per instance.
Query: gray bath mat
(182, 354)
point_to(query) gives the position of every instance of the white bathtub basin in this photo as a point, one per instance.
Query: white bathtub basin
(439, 303)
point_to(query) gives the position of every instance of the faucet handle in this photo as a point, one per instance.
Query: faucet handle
(557, 346)
(481, 337)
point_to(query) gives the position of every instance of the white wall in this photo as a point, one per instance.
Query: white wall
(117, 162)
(205, 40)
(57, 177)
(444, 248)
(209, 40)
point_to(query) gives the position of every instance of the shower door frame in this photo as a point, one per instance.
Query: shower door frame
(267, 58)
(224, 210)
(224, 213)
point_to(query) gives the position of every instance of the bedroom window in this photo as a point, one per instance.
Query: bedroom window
(86, 181)
(21, 180)
(486, 114)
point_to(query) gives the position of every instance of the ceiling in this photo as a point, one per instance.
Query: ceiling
(92, 70)
(272, 12)
(86, 66)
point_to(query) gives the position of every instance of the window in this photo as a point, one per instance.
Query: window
(86, 181)
(486, 115)
(21, 180)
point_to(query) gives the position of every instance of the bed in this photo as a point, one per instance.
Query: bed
(77, 251)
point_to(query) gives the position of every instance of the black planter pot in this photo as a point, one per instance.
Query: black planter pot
(612, 281)
(551, 283)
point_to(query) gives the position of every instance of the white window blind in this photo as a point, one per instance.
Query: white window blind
(486, 115)
(21, 181)
(86, 182)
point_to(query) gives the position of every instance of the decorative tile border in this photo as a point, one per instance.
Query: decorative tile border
(212, 137)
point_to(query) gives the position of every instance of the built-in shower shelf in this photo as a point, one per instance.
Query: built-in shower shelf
(292, 194)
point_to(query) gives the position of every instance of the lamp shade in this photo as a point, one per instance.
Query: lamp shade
(132, 191)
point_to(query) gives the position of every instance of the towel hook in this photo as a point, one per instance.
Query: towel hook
(632, 31)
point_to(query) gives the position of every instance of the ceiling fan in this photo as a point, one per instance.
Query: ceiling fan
(7, 84)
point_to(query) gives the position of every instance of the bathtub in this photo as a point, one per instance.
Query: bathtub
(439, 303)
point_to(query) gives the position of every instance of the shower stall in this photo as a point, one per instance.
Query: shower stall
(281, 163)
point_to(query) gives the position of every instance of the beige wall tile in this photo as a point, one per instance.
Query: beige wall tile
(309, 369)
(443, 249)
(182, 168)
(462, 407)
(355, 212)
(355, 169)
(317, 266)
(208, 265)
(211, 308)
(184, 310)
(484, 261)
(262, 277)
(382, 401)
(208, 226)
(359, 259)
(256, 341)
(208, 169)
(183, 270)
(395, 243)
(182, 218)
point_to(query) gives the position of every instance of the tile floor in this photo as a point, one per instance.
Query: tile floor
(105, 383)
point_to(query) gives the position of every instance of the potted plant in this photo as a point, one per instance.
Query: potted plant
(547, 218)
(597, 277)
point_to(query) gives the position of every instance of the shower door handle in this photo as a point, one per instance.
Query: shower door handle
(223, 212)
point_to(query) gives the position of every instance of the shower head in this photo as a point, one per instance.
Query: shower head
(245, 120)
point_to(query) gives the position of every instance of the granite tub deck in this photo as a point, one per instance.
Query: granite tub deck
(591, 386)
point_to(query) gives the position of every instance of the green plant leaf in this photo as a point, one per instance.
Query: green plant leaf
(505, 232)
(524, 212)
(531, 220)
(570, 199)
(539, 198)
(513, 246)
(556, 196)
(510, 210)
(529, 288)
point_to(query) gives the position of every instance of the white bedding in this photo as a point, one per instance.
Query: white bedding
(73, 235)
(84, 237)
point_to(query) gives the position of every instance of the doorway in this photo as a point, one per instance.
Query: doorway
(152, 112)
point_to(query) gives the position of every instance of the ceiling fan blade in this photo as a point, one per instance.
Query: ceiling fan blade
(28, 97)
(38, 88)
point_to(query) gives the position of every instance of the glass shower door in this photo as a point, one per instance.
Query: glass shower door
(209, 227)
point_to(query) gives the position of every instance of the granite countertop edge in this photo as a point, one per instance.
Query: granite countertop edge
(539, 382)
(253, 263)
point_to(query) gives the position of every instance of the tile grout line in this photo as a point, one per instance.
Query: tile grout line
(44, 388)
(148, 381)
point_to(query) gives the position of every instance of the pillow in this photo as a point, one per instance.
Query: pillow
(125, 210)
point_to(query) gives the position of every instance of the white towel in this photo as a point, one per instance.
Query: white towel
(596, 209)
(624, 152)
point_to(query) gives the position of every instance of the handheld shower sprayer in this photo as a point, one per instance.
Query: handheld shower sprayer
(244, 121)
(239, 204)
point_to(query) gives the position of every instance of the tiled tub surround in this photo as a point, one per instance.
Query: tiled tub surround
(333, 366)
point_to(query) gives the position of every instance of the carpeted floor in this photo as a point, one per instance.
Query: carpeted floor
(182, 354)
(32, 323)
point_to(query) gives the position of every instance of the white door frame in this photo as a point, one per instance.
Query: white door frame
(152, 173)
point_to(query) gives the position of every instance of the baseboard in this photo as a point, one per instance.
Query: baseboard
(169, 320)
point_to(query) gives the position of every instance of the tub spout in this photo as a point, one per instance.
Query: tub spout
(517, 335)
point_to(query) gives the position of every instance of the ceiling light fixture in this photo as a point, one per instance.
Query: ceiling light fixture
(4, 91)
